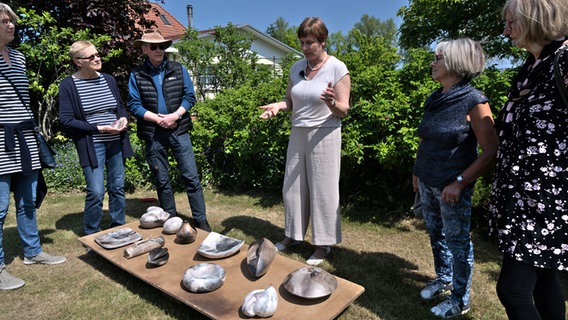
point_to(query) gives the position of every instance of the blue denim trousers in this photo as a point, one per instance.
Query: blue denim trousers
(182, 150)
(24, 188)
(109, 156)
(449, 229)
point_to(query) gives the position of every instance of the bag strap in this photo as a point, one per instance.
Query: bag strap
(21, 99)
(558, 77)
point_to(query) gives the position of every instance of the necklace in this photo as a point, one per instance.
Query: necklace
(317, 66)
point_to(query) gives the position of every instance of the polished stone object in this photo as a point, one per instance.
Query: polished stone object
(260, 255)
(118, 238)
(186, 233)
(217, 246)
(158, 256)
(153, 218)
(204, 277)
(310, 282)
(260, 303)
(172, 225)
(144, 246)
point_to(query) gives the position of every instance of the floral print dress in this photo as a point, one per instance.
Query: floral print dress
(529, 198)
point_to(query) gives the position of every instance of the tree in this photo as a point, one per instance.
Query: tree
(226, 61)
(112, 25)
(374, 27)
(197, 54)
(280, 30)
(121, 20)
(47, 56)
(428, 21)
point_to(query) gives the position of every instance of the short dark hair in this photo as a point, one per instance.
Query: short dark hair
(313, 26)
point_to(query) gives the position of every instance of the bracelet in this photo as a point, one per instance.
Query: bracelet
(179, 115)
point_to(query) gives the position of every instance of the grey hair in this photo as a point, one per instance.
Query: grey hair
(463, 57)
(540, 22)
(78, 46)
(4, 8)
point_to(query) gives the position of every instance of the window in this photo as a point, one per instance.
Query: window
(165, 19)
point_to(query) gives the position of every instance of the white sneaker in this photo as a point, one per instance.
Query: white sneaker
(8, 281)
(435, 288)
(449, 309)
(44, 258)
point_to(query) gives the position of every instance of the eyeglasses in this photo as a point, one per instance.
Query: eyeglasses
(91, 57)
(508, 24)
(437, 58)
(8, 21)
(156, 46)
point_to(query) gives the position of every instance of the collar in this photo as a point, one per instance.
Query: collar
(156, 69)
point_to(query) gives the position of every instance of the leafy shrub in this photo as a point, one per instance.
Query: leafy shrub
(67, 175)
(234, 148)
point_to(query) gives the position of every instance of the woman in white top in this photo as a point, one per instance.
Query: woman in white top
(317, 97)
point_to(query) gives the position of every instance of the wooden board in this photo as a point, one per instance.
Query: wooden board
(225, 302)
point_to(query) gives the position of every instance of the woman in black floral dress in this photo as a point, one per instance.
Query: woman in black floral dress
(529, 207)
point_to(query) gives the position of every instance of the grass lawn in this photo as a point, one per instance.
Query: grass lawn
(391, 259)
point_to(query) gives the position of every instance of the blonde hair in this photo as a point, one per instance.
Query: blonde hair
(463, 57)
(4, 8)
(540, 22)
(77, 47)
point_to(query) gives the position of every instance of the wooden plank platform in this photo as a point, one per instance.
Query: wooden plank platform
(225, 302)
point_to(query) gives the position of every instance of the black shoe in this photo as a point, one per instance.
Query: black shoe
(203, 225)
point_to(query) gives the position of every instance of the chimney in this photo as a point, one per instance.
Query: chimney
(189, 16)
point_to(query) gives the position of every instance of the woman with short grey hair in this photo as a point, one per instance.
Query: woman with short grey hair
(457, 118)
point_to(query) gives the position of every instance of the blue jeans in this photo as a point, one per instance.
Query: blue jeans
(449, 226)
(182, 150)
(24, 188)
(109, 155)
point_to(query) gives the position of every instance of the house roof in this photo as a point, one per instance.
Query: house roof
(261, 36)
(169, 26)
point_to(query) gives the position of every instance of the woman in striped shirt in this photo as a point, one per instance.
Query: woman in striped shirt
(92, 113)
(19, 159)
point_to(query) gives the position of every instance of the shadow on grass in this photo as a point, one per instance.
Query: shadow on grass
(13, 245)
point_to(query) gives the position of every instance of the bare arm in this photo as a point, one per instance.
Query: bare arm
(337, 97)
(481, 120)
(271, 110)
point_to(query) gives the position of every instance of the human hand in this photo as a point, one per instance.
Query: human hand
(120, 124)
(108, 129)
(168, 121)
(414, 183)
(452, 192)
(328, 95)
(270, 110)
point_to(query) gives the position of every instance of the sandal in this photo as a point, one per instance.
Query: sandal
(286, 243)
(313, 260)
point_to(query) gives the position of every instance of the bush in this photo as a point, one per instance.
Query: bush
(234, 148)
(67, 175)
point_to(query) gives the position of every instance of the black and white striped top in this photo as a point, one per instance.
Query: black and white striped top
(99, 105)
(13, 110)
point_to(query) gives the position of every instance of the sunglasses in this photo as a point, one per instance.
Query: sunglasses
(91, 57)
(156, 46)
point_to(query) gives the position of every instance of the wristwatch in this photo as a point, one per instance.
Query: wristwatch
(460, 180)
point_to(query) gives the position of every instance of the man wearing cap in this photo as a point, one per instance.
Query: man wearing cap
(160, 96)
